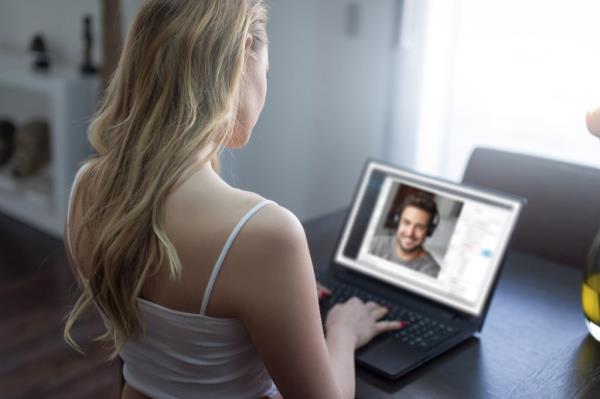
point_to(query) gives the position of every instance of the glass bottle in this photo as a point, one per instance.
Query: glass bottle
(590, 289)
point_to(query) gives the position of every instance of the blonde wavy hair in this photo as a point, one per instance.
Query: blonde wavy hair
(175, 92)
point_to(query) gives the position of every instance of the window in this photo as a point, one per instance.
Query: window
(517, 75)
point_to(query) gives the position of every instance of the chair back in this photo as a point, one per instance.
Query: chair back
(562, 214)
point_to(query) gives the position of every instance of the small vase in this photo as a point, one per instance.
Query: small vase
(590, 289)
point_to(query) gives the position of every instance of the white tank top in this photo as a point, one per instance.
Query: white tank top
(188, 355)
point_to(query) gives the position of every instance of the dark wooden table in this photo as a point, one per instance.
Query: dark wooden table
(534, 343)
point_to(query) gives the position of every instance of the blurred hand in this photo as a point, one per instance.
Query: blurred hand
(593, 122)
(361, 319)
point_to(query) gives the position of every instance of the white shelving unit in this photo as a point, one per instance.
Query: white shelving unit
(67, 100)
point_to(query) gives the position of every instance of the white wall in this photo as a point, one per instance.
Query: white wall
(406, 79)
(325, 112)
(328, 88)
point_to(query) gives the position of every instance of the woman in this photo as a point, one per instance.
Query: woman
(206, 290)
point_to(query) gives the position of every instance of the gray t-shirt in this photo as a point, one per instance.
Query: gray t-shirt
(385, 247)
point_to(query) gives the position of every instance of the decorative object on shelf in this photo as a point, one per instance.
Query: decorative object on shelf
(66, 100)
(88, 68)
(41, 62)
(112, 38)
(32, 151)
(7, 140)
(590, 289)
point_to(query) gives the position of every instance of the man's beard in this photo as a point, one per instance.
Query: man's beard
(416, 248)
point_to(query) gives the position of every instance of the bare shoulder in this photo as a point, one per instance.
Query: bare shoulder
(275, 227)
(202, 213)
(265, 256)
(269, 259)
(273, 289)
(206, 217)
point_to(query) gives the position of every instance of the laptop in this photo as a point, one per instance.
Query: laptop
(428, 249)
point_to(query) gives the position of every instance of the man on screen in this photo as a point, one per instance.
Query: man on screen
(418, 218)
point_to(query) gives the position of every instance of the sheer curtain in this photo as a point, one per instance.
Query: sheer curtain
(517, 75)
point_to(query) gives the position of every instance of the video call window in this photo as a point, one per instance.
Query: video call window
(412, 228)
(436, 239)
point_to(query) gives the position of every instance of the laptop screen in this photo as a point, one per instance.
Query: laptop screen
(440, 240)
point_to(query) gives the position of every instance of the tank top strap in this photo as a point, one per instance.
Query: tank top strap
(225, 250)
(69, 206)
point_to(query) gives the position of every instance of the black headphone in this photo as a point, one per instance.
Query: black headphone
(434, 219)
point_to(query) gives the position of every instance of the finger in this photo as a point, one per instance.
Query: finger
(322, 293)
(372, 305)
(354, 299)
(388, 325)
(379, 312)
(322, 290)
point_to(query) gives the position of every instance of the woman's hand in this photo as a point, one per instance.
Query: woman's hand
(593, 122)
(360, 319)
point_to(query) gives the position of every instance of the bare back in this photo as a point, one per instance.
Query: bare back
(199, 216)
(266, 281)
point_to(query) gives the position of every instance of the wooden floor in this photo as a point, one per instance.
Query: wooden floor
(36, 291)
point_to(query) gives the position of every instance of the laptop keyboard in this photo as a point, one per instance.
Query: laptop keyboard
(419, 331)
